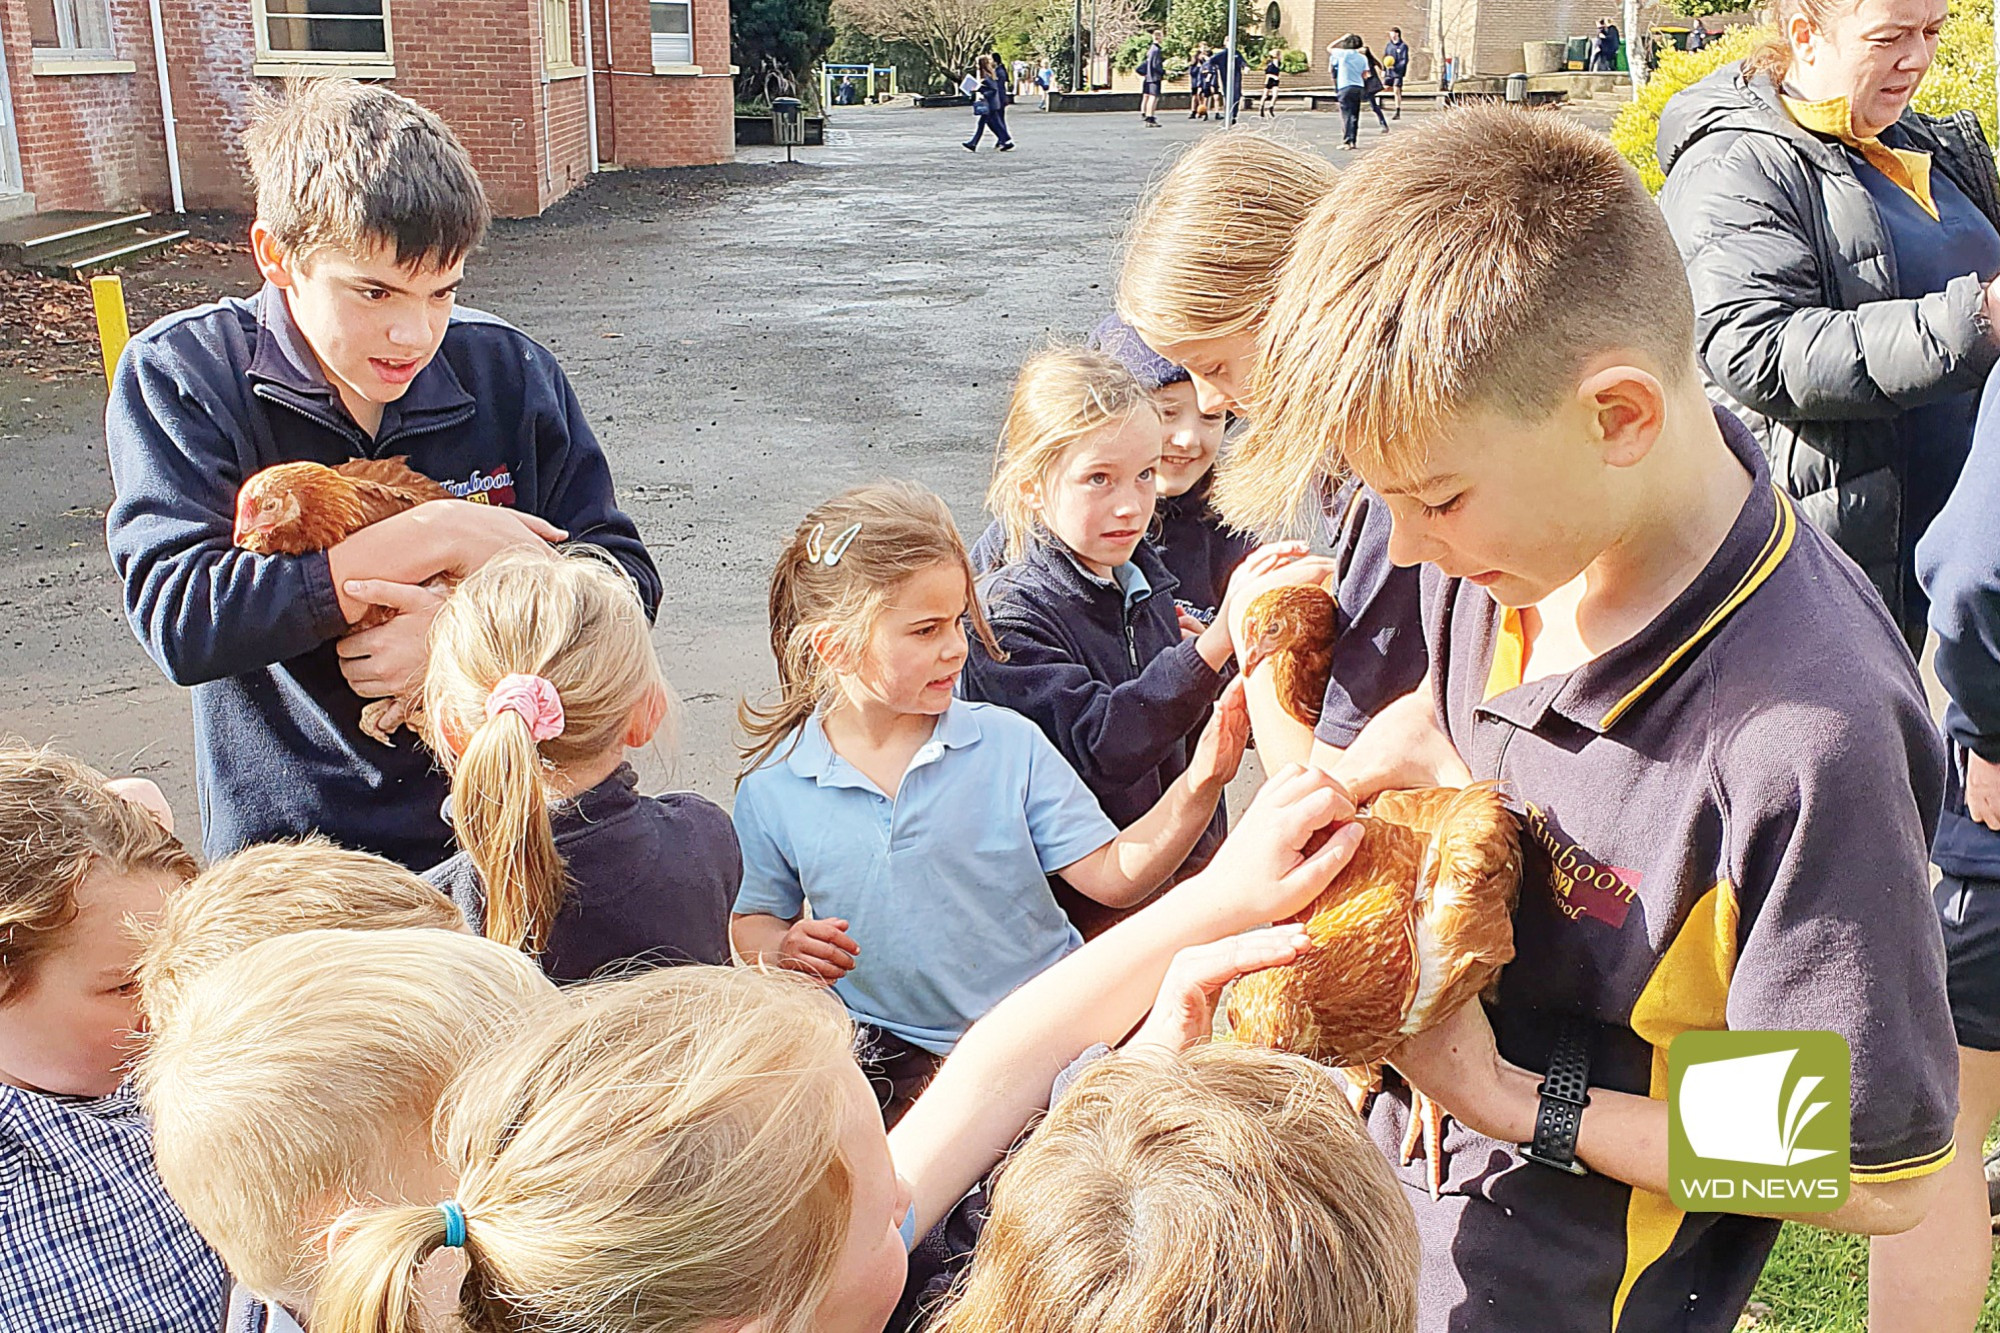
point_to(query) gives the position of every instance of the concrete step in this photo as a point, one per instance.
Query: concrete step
(16, 204)
(74, 244)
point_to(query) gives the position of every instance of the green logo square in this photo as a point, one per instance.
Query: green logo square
(1757, 1122)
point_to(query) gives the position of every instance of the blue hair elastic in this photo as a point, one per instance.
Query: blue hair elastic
(454, 1225)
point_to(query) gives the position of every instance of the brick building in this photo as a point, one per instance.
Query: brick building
(83, 124)
(1481, 36)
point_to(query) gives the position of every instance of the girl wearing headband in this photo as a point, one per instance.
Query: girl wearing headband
(541, 675)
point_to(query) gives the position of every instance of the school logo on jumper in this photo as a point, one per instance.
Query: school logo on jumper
(1757, 1121)
(1583, 886)
(486, 488)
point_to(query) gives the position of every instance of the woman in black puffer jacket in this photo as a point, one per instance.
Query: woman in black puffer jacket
(1841, 291)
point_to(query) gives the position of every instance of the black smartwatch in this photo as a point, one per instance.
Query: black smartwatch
(1564, 1093)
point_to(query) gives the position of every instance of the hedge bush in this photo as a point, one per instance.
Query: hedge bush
(1962, 76)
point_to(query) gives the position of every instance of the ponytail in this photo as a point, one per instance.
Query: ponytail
(373, 1257)
(536, 667)
(501, 815)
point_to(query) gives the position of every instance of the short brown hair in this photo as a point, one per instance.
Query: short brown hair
(277, 888)
(58, 823)
(1227, 1190)
(346, 166)
(1477, 262)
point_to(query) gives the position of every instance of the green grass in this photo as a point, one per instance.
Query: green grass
(1817, 1282)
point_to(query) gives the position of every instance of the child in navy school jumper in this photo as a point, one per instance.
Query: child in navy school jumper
(366, 208)
(90, 1242)
(541, 675)
(1199, 550)
(1094, 651)
(921, 830)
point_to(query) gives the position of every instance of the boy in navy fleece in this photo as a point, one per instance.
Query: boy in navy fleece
(367, 207)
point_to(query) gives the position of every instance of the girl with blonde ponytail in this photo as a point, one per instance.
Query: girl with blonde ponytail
(1204, 260)
(541, 675)
(921, 829)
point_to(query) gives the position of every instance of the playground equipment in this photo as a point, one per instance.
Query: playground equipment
(829, 75)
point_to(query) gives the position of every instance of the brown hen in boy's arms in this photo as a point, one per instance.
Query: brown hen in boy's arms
(294, 508)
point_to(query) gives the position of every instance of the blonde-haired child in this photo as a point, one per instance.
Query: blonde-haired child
(89, 1239)
(276, 888)
(696, 1149)
(918, 828)
(1224, 1190)
(1092, 647)
(1203, 305)
(299, 1077)
(541, 675)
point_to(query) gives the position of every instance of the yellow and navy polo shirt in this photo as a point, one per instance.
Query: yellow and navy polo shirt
(1725, 825)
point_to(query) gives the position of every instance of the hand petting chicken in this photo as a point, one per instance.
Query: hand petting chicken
(295, 508)
(1417, 925)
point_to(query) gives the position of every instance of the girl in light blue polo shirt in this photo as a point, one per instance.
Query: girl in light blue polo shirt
(919, 829)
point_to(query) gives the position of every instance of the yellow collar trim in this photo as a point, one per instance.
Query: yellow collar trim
(1908, 168)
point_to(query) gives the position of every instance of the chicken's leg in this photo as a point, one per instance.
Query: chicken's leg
(1427, 1121)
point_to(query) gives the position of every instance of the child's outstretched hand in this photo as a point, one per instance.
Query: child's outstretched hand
(1184, 1014)
(820, 947)
(1279, 857)
(1219, 752)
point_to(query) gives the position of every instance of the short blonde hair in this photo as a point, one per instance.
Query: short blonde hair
(1062, 397)
(663, 1156)
(1476, 263)
(1227, 1190)
(273, 889)
(59, 823)
(349, 166)
(1207, 241)
(575, 620)
(295, 1072)
(885, 533)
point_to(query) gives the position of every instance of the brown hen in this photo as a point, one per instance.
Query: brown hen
(294, 508)
(1418, 924)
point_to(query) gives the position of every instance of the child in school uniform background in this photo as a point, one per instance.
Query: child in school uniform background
(367, 207)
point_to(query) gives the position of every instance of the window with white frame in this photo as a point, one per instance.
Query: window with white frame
(556, 35)
(673, 32)
(70, 27)
(324, 31)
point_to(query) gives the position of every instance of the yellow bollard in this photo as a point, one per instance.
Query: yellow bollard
(114, 327)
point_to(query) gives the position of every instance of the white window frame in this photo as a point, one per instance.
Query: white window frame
(662, 59)
(68, 46)
(277, 60)
(558, 36)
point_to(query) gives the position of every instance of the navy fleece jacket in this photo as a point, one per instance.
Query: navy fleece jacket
(204, 398)
(1958, 563)
(1113, 687)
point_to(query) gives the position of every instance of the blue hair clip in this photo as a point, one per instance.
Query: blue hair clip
(454, 1225)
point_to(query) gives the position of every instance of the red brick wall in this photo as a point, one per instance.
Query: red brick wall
(89, 140)
(95, 141)
(663, 120)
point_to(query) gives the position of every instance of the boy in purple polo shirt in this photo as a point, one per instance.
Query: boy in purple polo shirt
(1718, 745)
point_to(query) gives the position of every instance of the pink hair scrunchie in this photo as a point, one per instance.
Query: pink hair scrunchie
(534, 699)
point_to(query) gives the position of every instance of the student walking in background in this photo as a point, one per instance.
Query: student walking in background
(989, 104)
(1372, 86)
(1152, 76)
(1350, 82)
(1396, 65)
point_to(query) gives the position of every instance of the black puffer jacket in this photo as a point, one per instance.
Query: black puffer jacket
(1796, 315)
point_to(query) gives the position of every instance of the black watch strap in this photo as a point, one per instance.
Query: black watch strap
(1565, 1092)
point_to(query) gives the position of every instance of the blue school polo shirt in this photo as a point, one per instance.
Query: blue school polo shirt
(1725, 825)
(945, 887)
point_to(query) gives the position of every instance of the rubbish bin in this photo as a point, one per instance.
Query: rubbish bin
(788, 123)
(1517, 89)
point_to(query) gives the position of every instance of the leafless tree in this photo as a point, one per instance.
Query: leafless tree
(952, 34)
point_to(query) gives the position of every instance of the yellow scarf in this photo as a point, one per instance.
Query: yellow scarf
(1908, 169)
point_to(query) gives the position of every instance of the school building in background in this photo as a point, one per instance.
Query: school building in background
(126, 104)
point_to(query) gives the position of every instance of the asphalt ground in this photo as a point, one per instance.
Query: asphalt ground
(746, 340)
